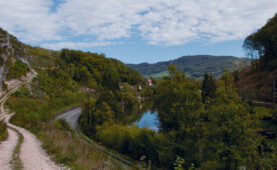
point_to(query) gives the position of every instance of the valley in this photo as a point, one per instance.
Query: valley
(69, 109)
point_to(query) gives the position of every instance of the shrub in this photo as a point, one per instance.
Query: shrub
(3, 131)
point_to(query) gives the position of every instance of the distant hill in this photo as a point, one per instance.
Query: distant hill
(194, 66)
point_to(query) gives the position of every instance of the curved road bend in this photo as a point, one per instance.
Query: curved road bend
(72, 116)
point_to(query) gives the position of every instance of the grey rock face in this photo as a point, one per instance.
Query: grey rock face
(8, 51)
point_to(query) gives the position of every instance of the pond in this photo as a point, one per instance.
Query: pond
(149, 120)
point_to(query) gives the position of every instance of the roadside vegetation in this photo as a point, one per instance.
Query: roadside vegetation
(3, 131)
(57, 89)
(36, 108)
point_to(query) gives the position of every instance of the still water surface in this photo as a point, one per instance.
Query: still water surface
(149, 120)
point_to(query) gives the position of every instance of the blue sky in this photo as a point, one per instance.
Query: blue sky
(135, 31)
(139, 51)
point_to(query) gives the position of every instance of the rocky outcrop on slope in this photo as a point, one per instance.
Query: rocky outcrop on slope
(11, 50)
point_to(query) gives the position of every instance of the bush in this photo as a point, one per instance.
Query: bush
(17, 70)
(133, 141)
(3, 131)
(4, 85)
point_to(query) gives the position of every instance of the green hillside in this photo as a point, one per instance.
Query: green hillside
(62, 82)
(194, 66)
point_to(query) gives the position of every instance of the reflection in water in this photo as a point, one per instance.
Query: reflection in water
(149, 119)
(141, 116)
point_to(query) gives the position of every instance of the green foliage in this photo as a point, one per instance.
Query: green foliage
(178, 164)
(178, 101)
(133, 141)
(18, 47)
(2, 50)
(159, 75)
(109, 106)
(50, 92)
(3, 131)
(4, 85)
(15, 162)
(68, 149)
(1, 59)
(62, 124)
(147, 92)
(208, 87)
(221, 135)
(41, 57)
(59, 85)
(22, 92)
(89, 68)
(95, 115)
(194, 66)
(263, 44)
(17, 70)
(179, 106)
(233, 140)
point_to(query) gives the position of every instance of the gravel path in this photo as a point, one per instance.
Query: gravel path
(6, 150)
(32, 156)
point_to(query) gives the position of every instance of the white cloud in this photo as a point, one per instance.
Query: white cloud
(162, 22)
(76, 45)
(31, 20)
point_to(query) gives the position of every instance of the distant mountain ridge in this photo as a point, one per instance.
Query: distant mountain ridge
(194, 66)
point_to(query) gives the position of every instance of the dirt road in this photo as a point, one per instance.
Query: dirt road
(6, 149)
(32, 156)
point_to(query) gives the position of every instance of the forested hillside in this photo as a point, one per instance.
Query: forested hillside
(194, 66)
(256, 80)
(65, 79)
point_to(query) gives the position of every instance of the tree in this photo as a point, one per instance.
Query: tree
(230, 133)
(179, 105)
(263, 45)
(177, 100)
(208, 87)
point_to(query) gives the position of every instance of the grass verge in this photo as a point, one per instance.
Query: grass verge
(120, 160)
(68, 149)
(15, 161)
(65, 147)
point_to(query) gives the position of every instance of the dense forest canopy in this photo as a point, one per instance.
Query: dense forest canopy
(92, 69)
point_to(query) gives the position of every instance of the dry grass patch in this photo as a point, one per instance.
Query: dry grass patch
(71, 151)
